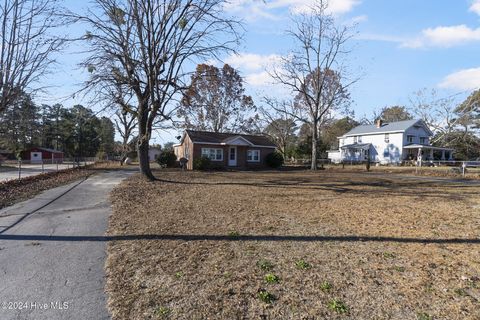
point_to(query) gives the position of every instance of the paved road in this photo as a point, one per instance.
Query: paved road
(11, 171)
(61, 271)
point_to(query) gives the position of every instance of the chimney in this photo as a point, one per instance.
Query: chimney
(379, 123)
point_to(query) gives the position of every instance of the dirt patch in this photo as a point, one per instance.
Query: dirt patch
(293, 245)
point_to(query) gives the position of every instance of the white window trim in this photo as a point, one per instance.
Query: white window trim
(216, 149)
(386, 138)
(253, 150)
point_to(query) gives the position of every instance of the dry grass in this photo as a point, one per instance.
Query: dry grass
(208, 244)
(12, 191)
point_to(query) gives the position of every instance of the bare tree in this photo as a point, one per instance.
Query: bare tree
(144, 46)
(125, 123)
(27, 45)
(216, 101)
(438, 113)
(314, 72)
(278, 124)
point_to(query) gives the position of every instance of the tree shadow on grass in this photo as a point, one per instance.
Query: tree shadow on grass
(239, 238)
(375, 187)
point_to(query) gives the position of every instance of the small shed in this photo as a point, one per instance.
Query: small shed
(45, 155)
(154, 153)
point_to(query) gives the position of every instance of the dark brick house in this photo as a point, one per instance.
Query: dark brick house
(228, 150)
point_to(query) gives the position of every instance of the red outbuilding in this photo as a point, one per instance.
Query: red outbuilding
(45, 155)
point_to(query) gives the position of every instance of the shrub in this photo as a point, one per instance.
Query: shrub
(274, 160)
(167, 158)
(202, 163)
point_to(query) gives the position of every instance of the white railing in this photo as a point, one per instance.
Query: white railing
(25, 168)
(447, 166)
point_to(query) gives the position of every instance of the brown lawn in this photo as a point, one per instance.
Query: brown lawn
(334, 245)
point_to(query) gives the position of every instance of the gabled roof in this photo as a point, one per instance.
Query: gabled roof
(48, 150)
(224, 138)
(399, 126)
(364, 146)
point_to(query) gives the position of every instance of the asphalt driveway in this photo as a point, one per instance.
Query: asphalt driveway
(46, 272)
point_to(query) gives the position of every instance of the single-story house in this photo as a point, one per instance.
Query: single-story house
(228, 150)
(154, 153)
(389, 143)
(45, 155)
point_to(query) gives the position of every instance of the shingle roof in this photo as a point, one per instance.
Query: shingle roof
(364, 146)
(49, 150)
(386, 127)
(218, 137)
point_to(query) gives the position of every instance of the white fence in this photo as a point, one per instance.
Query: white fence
(16, 169)
(445, 166)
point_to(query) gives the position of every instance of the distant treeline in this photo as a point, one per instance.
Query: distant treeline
(76, 131)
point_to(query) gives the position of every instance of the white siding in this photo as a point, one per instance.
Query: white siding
(381, 151)
(417, 132)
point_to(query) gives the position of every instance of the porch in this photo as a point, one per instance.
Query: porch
(357, 152)
(418, 152)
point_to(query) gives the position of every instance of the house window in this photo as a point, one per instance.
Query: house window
(423, 140)
(355, 138)
(410, 139)
(213, 154)
(387, 137)
(253, 155)
(359, 139)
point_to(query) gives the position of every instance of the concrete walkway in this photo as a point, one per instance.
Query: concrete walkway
(56, 279)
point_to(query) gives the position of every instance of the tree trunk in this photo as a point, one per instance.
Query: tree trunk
(314, 146)
(142, 145)
(144, 160)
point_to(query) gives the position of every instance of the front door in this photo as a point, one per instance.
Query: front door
(232, 156)
(36, 157)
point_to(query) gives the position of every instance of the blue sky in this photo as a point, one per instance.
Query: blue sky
(400, 46)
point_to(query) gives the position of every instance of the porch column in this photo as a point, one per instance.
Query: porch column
(443, 154)
(431, 154)
(419, 157)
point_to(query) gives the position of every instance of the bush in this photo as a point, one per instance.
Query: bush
(202, 163)
(274, 160)
(167, 158)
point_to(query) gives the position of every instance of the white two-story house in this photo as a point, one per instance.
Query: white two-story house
(389, 143)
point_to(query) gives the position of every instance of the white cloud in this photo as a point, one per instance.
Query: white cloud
(254, 66)
(258, 79)
(467, 79)
(255, 9)
(252, 61)
(359, 19)
(475, 7)
(444, 37)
